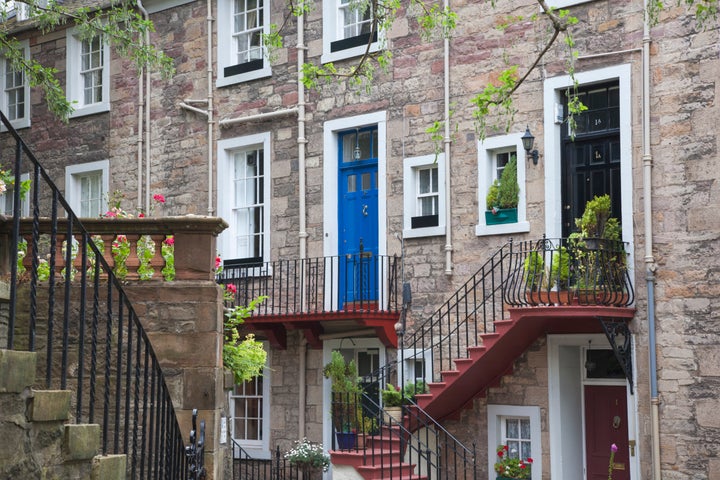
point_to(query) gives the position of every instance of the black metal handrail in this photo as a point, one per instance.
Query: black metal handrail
(341, 283)
(561, 272)
(86, 333)
(395, 443)
(246, 467)
(545, 272)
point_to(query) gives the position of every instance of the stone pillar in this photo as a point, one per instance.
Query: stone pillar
(184, 322)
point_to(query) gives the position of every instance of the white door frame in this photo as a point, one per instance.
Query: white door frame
(328, 347)
(565, 382)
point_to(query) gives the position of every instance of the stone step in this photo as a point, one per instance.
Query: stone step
(17, 370)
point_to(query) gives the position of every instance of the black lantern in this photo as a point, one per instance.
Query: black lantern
(528, 140)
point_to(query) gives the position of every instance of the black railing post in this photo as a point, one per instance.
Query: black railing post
(196, 450)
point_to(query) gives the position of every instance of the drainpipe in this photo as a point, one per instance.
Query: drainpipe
(146, 16)
(141, 107)
(208, 112)
(301, 140)
(446, 141)
(302, 379)
(650, 265)
(210, 106)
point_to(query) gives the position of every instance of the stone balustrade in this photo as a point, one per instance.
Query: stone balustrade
(193, 240)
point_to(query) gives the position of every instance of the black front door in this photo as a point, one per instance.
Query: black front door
(591, 158)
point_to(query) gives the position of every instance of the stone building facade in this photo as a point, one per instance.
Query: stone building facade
(654, 84)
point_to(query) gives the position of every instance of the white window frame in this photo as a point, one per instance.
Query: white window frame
(553, 89)
(486, 175)
(6, 199)
(333, 31)
(259, 449)
(24, 11)
(496, 414)
(75, 86)
(226, 54)
(565, 3)
(226, 148)
(4, 104)
(73, 174)
(411, 166)
(409, 357)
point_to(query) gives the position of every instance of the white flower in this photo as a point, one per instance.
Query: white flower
(3, 187)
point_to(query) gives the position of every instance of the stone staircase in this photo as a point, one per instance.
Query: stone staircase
(382, 458)
(37, 439)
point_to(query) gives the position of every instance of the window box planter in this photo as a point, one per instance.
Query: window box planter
(501, 216)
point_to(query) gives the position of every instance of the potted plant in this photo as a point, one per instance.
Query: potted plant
(509, 466)
(308, 457)
(392, 403)
(533, 272)
(411, 389)
(559, 277)
(600, 254)
(366, 426)
(346, 393)
(503, 196)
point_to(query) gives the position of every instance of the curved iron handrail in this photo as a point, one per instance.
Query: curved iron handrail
(103, 354)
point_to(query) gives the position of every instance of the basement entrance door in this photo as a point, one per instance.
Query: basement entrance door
(591, 160)
(358, 215)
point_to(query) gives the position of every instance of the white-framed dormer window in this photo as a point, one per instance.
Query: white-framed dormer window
(244, 198)
(88, 74)
(347, 29)
(86, 188)
(15, 102)
(241, 49)
(518, 427)
(493, 154)
(424, 196)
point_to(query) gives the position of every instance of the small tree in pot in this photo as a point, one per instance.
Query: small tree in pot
(503, 196)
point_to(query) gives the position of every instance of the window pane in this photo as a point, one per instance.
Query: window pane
(366, 181)
(512, 428)
(248, 203)
(425, 181)
(352, 183)
(247, 403)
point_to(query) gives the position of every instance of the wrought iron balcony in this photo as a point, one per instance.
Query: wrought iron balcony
(312, 293)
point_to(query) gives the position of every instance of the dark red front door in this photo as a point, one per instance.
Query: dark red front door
(605, 424)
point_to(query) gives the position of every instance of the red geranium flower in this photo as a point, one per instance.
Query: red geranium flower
(159, 198)
(230, 287)
(169, 241)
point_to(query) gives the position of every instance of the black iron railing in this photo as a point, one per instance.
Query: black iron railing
(546, 272)
(398, 443)
(356, 282)
(246, 467)
(71, 309)
(562, 272)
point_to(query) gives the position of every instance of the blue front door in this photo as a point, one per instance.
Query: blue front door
(358, 216)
